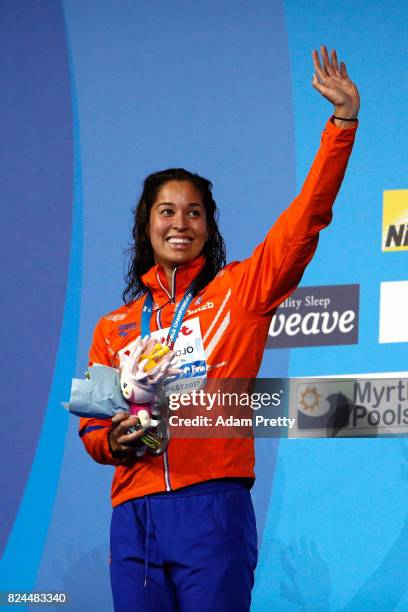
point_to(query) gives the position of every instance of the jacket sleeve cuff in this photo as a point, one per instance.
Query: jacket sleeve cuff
(340, 133)
(96, 441)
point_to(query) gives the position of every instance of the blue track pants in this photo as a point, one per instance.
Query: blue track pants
(191, 550)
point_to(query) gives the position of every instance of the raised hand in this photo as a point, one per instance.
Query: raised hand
(332, 81)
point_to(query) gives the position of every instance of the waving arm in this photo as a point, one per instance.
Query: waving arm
(276, 266)
(332, 81)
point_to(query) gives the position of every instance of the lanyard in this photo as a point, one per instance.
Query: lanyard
(147, 311)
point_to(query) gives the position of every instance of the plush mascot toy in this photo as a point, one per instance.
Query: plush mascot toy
(141, 373)
(106, 391)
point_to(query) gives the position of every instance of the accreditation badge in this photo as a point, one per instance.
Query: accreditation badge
(190, 354)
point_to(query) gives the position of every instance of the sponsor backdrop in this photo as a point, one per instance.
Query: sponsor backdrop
(95, 96)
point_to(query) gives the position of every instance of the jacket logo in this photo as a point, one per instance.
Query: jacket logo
(124, 327)
(205, 306)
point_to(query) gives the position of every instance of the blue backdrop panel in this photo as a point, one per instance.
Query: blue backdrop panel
(335, 536)
(37, 185)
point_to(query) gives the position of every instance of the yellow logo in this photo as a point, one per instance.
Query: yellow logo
(310, 399)
(395, 220)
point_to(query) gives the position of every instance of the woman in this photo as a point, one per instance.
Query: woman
(183, 531)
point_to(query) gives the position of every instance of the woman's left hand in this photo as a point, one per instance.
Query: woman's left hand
(332, 81)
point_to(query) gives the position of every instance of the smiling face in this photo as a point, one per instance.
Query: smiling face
(178, 224)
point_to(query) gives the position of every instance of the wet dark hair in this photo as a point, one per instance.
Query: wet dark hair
(140, 252)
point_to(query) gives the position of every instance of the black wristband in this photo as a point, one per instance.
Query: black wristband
(344, 118)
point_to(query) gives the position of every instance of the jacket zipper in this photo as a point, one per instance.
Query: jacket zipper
(172, 295)
(166, 471)
(172, 298)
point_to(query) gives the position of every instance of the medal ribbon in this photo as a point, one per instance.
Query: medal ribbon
(176, 323)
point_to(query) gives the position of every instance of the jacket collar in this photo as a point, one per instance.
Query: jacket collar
(155, 280)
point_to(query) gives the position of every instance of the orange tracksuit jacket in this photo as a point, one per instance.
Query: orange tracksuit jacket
(235, 311)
